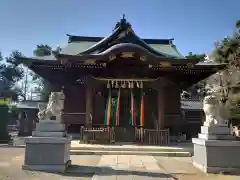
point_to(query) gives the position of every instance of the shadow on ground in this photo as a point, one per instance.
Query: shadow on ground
(89, 171)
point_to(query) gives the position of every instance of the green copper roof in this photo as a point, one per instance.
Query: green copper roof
(75, 48)
(168, 49)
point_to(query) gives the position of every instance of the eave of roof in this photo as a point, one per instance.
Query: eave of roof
(126, 47)
(74, 38)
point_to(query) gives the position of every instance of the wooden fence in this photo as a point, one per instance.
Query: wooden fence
(110, 135)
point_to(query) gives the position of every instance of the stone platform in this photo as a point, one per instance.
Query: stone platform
(215, 150)
(48, 149)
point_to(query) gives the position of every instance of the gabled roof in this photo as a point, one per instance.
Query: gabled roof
(122, 34)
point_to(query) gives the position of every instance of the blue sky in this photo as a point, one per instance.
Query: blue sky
(194, 24)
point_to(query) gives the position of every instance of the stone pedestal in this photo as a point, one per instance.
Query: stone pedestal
(48, 149)
(215, 150)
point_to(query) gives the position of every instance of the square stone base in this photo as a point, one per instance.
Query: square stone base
(47, 168)
(50, 154)
(216, 129)
(215, 156)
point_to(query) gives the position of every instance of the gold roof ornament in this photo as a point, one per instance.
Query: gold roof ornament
(90, 61)
(165, 64)
(129, 30)
(127, 54)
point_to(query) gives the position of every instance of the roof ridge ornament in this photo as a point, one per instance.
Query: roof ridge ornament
(123, 23)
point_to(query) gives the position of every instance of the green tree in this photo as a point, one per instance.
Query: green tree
(234, 110)
(1, 58)
(227, 51)
(197, 90)
(43, 86)
(42, 50)
(195, 56)
(11, 73)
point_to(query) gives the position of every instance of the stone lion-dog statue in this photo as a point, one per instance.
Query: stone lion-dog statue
(213, 111)
(54, 107)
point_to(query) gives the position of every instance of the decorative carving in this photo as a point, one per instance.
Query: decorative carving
(190, 65)
(112, 57)
(54, 107)
(213, 111)
(127, 54)
(143, 58)
(90, 61)
(165, 64)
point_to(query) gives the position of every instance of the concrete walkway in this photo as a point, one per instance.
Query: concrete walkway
(110, 167)
(130, 167)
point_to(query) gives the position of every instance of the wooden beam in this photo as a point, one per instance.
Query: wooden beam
(161, 107)
(89, 106)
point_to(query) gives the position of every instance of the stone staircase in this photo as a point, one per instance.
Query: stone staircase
(174, 150)
(170, 151)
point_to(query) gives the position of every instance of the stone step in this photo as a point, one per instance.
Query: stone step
(130, 148)
(146, 153)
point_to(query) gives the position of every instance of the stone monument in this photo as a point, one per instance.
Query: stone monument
(215, 149)
(48, 149)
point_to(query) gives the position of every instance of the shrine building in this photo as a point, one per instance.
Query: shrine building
(121, 80)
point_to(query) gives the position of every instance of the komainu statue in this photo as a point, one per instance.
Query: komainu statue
(54, 107)
(213, 111)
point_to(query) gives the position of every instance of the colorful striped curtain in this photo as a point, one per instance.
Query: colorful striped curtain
(133, 115)
(112, 110)
(118, 108)
(108, 108)
(142, 109)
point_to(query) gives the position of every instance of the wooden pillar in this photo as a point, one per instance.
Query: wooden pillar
(161, 105)
(89, 106)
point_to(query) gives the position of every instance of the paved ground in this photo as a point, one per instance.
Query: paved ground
(11, 159)
(87, 167)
